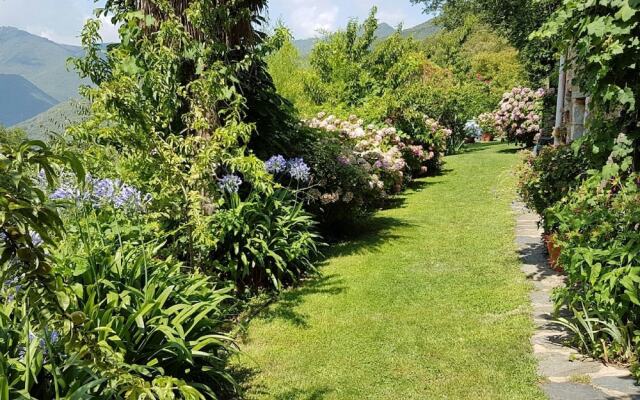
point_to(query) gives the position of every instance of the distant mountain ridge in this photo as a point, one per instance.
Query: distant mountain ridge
(39, 93)
(384, 30)
(21, 99)
(40, 61)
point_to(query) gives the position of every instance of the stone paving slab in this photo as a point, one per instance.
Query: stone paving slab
(566, 375)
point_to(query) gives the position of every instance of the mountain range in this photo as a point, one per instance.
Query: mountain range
(39, 91)
(34, 75)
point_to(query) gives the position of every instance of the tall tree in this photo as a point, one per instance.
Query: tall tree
(515, 19)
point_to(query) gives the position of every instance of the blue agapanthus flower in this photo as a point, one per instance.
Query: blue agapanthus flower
(102, 192)
(276, 164)
(104, 189)
(230, 183)
(128, 196)
(54, 336)
(299, 170)
(36, 239)
(65, 192)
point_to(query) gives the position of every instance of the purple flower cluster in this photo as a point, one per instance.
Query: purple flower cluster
(104, 192)
(299, 170)
(54, 337)
(128, 196)
(276, 164)
(13, 286)
(296, 167)
(36, 239)
(230, 183)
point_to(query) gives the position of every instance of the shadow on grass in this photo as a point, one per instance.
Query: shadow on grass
(472, 148)
(304, 394)
(245, 378)
(512, 150)
(284, 308)
(439, 172)
(367, 237)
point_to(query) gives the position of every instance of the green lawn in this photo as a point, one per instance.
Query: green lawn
(430, 304)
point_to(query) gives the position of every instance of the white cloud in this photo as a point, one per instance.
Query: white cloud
(109, 31)
(307, 20)
(392, 17)
(53, 36)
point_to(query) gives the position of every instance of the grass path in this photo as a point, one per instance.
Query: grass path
(430, 304)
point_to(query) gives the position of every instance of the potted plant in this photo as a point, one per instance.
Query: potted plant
(487, 123)
(554, 250)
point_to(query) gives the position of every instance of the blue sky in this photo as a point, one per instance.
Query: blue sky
(61, 20)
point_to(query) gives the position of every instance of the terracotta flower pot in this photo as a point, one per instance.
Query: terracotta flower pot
(554, 250)
(487, 137)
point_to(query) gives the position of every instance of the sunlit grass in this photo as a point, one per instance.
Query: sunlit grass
(430, 303)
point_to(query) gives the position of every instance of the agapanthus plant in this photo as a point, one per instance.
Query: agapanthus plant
(276, 164)
(102, 192)
(230, 183)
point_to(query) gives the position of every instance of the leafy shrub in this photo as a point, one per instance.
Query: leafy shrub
(130, 325)
(263, 241)
(381, 150)
(343, 191)
(546, 178)
(597, 229)
(519, 115)
(100, 315)
(487, 122)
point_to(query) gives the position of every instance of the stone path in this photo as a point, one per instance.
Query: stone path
(565, 374)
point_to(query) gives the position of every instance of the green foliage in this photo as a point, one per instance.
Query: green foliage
(168, 116)
(546, 178)
(346, 179)
(604, 48)
(394, 79)
(263, 241)
(339, 62)
(102, 316)
(514, 19)
(105, 292)
(596, 228)
(26, 215)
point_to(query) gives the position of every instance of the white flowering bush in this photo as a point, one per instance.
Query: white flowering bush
(472, 129)
(380, 150)
(350, 168)
(433, 136)
(487, 123)
(519, 115)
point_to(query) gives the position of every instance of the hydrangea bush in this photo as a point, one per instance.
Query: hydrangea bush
(519, 115)
(346, 169)
(379, 150)
(472, 129)
(487, 123)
